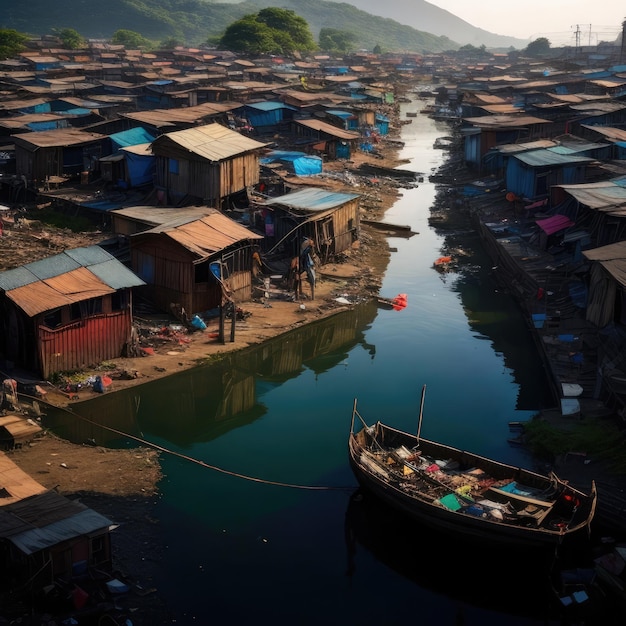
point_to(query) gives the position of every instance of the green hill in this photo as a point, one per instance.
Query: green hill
(193, 21)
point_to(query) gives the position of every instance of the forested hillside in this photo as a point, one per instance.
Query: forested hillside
(193, 21)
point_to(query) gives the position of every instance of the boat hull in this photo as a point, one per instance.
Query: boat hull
(555, 524)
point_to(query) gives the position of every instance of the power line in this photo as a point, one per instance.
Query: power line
(215, 468)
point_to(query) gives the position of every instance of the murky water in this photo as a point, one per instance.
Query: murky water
(273, 552)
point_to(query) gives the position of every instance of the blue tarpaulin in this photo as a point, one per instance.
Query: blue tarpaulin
(132, 137)
(303, 164)
(140, 168)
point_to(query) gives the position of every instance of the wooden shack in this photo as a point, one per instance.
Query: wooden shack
(326, 139)
(195, 262)
(208, 163)
(329, 218)
(63, 152)
(66, 312)
(45, 537)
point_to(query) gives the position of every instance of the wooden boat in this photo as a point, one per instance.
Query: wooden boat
(465, 493)
(397, 230)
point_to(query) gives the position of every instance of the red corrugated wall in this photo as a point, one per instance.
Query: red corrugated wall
(86, 343)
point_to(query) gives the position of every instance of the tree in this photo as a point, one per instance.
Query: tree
(286, 21)
(170, 43)
(270, 31)
(538, 48)
(11, 42)
(71, 39)
(248, 35)
(335, 40)
(130, 39)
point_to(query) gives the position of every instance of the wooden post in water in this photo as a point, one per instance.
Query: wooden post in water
(233, 321)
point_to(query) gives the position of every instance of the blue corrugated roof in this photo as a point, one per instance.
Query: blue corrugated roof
(18, 277)
(342, 114)
(89, 255)
(52, 266)
(538, 158)
(116, 275)
(270, 106)
(312, 199)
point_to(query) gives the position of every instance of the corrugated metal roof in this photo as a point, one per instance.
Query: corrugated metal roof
(539, 158)
(9, 105)
(116, 275)
(312, 199)
(17, 277)
(511, 148)
(63, 290)
(575, 149)
(23, 121)
(502, 109)
(616, 134)
(601, 195)
(57, 137)
(576, 98)
(212, 141)
(188, 115)
(88, 255)
(36, 536)
(505, 121)
(329, 129)
(270, 106)
(207, 235)
(71, 276)
(599, 108)
(52, 266)
(164, 215)
(612, 258)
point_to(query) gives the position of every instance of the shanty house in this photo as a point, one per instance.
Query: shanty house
(334, 142)
(208, 162)
(329, 218)
(45, 537)
(600, 206)
(265, 116)
(531, 174)
(195, 261)
(607, 285)
(66, 312)
(131, 163)
(481, 134)
(58, 152)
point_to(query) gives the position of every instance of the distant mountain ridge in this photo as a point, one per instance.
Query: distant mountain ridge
(425, 16)
(193, 21)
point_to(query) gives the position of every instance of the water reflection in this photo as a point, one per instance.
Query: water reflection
(204, 403)
(512, 583)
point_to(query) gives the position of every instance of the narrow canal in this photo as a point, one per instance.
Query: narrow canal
(241, 551)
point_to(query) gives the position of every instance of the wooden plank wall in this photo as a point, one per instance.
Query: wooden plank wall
(209, 181)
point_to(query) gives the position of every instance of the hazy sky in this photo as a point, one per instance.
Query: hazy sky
(599, 20)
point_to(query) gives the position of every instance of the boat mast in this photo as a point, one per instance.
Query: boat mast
(419, 423)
